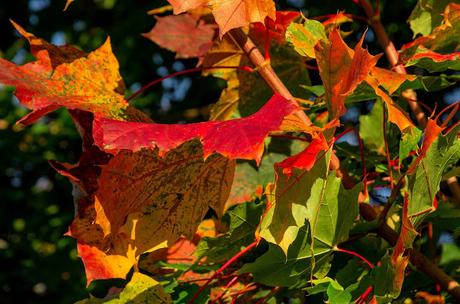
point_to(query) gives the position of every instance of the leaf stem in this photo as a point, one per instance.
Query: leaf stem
(351, 16)
(265, 70)
(391, 53)
(188, 71)
(363, 162)
(226, 288)
(362, 298)
(267, 39)
(387, 149)
(265, 298)
(416, 257)
(340, 135)
(221, 269)
(451, 115)
(371, 266)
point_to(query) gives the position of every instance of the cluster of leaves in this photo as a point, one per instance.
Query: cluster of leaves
(163, 206)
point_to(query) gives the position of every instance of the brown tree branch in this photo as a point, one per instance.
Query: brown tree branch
(366, 211)
(393, 57)
(416, 257)
(265, 70)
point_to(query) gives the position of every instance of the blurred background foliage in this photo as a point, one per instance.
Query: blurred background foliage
(38, 264)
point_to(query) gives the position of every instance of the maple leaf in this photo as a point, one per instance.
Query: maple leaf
(431, 133)
(440, 39)
(432, 61)
(181, 6)
(429, 50)
(241, 138)
(426, 15)
(336, 20)
(241, 221)
(388, 278)
(183, 34)
(407, 234)
(436, 155)
(396, 115)
(230, 14)
(140, 289)
(102, 266)
(305, 159)
(143, 202)
(390, 80)
(276, 268)
(65, 77)
(398, 262)
(305, 36)
(341, 69)
(308, 194)
(276, 29)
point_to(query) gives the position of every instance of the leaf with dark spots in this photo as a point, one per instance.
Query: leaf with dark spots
(304, 37)
(144, 202)
(66, 77)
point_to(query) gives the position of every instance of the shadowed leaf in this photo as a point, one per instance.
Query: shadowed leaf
(141, 289)
(183, 34)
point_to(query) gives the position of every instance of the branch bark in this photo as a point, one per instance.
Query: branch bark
(366, 211)
(393, 58)
(416, 257)
(265, 70)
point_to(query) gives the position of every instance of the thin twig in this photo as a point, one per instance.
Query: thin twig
(188, 71)
(392, 55)
(366, 211)
(265, 70)
(416, 257)
(371, 266)
(387, 149)
(221, 269)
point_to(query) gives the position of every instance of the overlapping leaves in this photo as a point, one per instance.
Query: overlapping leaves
(141, 186)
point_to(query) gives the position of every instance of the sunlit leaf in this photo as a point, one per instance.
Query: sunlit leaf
(239, 138)
(143, 202)
(305, 36)
(427, 15)
(341, 70)
(371, 129)
(427, 174)
(66, 77)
